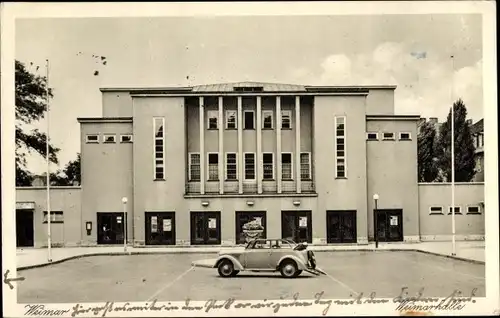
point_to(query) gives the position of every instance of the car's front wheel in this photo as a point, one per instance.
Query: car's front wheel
(289, 269)
(226, 268)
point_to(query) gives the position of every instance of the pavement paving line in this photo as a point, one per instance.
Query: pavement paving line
(439, 267)
(355, 293)
(169, 284)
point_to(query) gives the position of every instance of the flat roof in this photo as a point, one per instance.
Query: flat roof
(393, 117)
(246, 87)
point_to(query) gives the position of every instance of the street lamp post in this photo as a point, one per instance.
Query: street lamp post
(375, 198)
(124, 201)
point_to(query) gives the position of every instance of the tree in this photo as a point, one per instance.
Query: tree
(31, 105)
(69, 175)
(427, 163)
(464, 146)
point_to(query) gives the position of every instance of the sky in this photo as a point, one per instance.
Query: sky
(410, 51)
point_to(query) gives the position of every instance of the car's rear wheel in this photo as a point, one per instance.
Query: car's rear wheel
(226, 268)
(288, 269)
(298, 273)
(235, 273)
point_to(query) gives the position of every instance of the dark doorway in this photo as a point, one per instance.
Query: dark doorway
(110, 228)
(245, 217)
(205, 228)
(297, 226)
(341, 226)
(389, 225)
(25, 228)
(160, 228)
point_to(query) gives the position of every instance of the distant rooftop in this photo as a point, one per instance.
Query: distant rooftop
(248, 87)
(478, 127)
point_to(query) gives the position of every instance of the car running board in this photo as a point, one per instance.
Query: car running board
(316, 271)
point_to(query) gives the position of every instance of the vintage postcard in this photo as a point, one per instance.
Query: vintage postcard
(249, 159)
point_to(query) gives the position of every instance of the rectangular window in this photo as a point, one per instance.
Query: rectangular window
(109, 138)
(474, 209)
(305, 166)
(372, 136)
(231, 166)
(404, 136)
(286, 119)
(388, 136)
(159, 150)
(194, 167)
(436, 210)
(231, 119)
(458, 210)
(125, 139)
(92, 139)
(340, 147)
(55, 217)
(213, 166)
(249, 166)
(286, 166)
(213, 119)
(249, 119)
(267, 119)
(268, 166)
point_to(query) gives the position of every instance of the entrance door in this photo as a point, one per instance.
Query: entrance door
(244, 217)
(341, 226)
(160, 228)
(297, 226)
(205, 228)
(25, 228)
(110, 228)
(389, 225)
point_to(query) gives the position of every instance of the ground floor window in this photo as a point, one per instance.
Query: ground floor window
(205, 228)
(297, 226)
(341, 226)
(110, 229)
(25, 228)
(243, 218)
(389, 225)
(160, 228)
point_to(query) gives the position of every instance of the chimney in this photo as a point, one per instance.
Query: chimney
(433, 120)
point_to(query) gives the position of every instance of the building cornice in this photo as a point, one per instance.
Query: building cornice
(312, 88)
(93, 120)
(142, 89)
(198, 90)
(277, 93)
(393, 117)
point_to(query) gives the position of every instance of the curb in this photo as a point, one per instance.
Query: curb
(453, 257)
(21, 268)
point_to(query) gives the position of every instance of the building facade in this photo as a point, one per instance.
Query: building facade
(478, 137)
(197, 163)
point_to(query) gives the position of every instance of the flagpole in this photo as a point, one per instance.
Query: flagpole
(453, 229)
(49, 243)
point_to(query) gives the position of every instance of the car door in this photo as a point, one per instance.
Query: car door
(257, 256)
(278, 250)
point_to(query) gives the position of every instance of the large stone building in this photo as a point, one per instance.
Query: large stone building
(196, 163)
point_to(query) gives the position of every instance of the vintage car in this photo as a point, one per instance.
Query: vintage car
(268, 255)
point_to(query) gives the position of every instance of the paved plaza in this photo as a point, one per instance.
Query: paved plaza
(171, 277)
